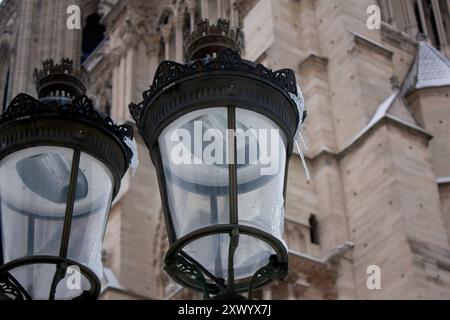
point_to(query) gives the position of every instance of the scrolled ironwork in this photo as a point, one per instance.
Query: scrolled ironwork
(10, 289)
(179, 265)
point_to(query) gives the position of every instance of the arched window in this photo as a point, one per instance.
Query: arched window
(445, 7)
(432, 24)
(93, 35)
(418, 15)
(313, 229)
(432, 19)
(186, 23)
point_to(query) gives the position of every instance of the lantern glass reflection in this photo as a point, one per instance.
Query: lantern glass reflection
(34, 191)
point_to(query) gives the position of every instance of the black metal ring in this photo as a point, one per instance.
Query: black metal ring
(94, 291)
(243, 285)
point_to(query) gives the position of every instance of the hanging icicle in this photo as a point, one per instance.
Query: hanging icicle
(134, 163)
(301, 148)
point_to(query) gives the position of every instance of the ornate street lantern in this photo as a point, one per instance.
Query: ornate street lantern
(61, 163)
(220, 131)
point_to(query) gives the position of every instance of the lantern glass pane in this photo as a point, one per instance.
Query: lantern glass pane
(261, 173)
(33, 191)
(193, 153)
(91, 210)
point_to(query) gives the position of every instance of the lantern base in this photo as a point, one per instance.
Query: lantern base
(189, 273)
(11, 287)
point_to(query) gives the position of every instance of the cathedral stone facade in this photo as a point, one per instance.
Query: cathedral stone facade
(378, 132)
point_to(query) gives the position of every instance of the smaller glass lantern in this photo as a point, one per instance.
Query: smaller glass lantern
(61, 163)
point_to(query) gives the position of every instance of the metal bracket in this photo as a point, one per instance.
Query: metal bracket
(274, 270)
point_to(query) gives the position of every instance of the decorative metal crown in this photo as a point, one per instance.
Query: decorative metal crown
(208, 39)
(60, 79)
(169, 72)
(24, 106)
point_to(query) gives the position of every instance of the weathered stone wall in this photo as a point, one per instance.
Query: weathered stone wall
(431, 110)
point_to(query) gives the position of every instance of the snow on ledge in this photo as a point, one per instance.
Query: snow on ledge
(443, 180)
(382, 112)
(379, 114)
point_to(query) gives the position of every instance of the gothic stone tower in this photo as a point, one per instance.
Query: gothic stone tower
(378, 131)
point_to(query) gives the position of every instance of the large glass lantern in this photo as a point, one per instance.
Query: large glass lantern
(61, 163)
(220, 131)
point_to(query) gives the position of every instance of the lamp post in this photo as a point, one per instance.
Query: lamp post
(61, 163)
(220, 130)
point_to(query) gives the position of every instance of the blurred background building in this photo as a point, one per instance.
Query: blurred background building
(378, 131)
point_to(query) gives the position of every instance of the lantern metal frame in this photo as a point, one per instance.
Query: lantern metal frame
(230, 81)
(69, 121)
